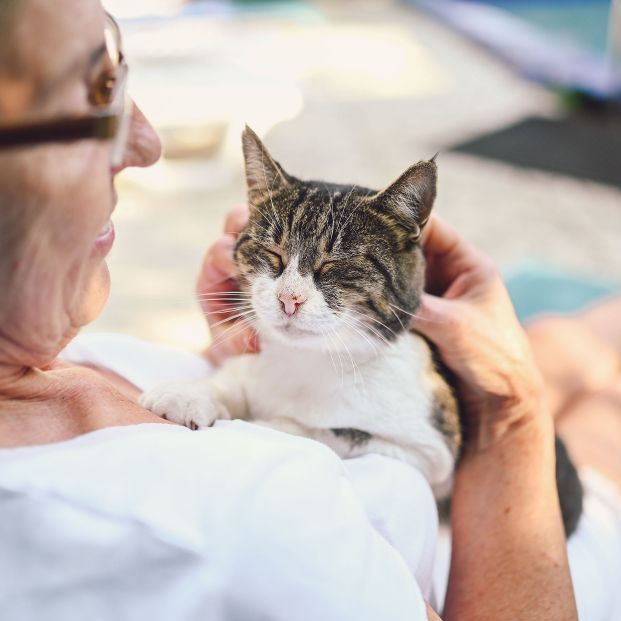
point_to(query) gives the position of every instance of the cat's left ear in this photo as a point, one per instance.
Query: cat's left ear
(410, 198)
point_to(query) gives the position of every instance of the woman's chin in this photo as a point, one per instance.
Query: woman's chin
(96, 295)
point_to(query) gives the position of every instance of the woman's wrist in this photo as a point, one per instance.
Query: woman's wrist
(498, 417)
(506, 523)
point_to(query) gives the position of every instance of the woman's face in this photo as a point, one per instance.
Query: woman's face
(65, 192)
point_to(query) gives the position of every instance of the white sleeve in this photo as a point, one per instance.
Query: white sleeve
(311, 553)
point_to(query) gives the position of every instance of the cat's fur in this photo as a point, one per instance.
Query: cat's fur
(330, 276)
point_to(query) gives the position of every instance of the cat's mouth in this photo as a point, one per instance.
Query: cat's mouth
(291, 333)
(292, 330)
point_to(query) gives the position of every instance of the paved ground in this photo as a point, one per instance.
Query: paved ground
(350, 91)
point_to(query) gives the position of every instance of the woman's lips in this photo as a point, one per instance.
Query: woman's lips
(105, 239)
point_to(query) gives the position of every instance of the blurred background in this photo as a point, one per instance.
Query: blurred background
(521, 99)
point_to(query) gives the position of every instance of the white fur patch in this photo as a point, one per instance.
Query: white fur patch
(319, 370)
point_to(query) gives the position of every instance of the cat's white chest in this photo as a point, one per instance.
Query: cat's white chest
(383, 393)
(387, 399)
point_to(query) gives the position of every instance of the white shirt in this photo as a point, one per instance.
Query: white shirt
(235, 522)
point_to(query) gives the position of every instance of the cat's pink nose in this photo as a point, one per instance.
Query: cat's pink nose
(291, 303)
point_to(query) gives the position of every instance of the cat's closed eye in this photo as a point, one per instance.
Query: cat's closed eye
(276, 259)
(322, 268)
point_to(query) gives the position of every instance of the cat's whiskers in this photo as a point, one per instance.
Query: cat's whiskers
(232, 331)
(226, 311)
(338, 354)
(375, 320)
(350, 324)
(228, 298)
(222, 294)
(376, 333)
(233, 318)
(354, 366)
(217, 304)
(397, 316)
(229, 306)
(327, 348)
(417, 316)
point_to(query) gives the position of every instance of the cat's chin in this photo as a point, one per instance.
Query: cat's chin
(294, 336)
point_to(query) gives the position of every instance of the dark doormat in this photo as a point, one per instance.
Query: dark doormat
(582, 146)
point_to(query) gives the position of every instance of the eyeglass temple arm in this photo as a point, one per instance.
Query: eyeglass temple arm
(101, 127)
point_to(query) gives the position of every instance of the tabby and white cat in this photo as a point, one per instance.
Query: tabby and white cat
(330, 276)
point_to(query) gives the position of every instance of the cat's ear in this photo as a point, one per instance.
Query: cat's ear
(264, 175)
(410, 198)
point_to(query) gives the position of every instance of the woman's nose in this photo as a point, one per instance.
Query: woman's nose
(143, 144)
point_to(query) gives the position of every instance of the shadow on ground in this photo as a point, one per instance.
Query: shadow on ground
(583, 145)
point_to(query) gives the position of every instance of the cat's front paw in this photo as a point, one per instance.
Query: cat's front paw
(187, 404)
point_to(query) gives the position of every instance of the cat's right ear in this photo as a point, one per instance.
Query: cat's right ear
(264, 175)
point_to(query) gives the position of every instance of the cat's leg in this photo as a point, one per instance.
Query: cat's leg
(192, 404)
(199, 403)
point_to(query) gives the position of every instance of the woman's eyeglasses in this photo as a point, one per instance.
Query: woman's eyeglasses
(109, 121)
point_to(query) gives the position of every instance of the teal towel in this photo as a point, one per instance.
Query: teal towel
(537, 288)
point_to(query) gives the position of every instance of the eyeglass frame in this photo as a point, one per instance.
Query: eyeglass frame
(109, 123)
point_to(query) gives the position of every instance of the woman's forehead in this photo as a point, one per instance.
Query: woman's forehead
(53, 39)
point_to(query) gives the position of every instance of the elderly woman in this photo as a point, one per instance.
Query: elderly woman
(109, 512)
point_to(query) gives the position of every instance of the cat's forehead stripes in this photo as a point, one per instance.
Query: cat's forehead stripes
(369, 267)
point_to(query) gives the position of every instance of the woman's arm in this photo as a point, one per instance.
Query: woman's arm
(509, 554)
(509, 557)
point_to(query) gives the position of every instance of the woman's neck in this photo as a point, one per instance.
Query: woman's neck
(59, 402)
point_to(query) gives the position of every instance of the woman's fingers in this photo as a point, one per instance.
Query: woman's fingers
(448, 256)
(218, 268)
(468, 315)
(433, 317)
(236, 220)
(218, 293)
(440, 237)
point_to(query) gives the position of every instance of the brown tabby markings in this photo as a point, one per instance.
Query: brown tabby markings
(363, 250)
(358, 255)
(361, 247)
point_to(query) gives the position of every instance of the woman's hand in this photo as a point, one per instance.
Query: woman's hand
(470, 318)
(505, 514)
(219, 295)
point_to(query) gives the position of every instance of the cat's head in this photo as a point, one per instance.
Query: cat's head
(332, 266)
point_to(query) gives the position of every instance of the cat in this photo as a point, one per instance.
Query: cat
(330, 276)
